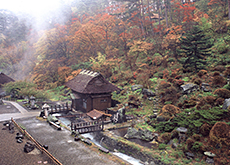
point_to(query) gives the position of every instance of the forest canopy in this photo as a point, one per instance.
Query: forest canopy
(113, 37)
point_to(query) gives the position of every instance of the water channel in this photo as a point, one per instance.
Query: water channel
(90, 136)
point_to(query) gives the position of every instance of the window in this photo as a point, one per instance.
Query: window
(103, 100)
(84, 103)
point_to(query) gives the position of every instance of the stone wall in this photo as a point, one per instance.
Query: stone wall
(112, 142)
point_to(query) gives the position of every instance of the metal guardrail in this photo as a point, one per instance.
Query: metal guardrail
(38, 145)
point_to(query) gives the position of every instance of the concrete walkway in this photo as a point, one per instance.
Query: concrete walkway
(23, 112)
(63, 147)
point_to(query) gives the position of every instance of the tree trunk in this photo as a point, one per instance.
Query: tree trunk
(229, 9)
(166, 14)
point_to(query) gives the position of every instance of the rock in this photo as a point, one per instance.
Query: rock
(12, 131)
(205, 87)
(19, 140)
(136, 87)
(6, 122)
(145, 135)
(11, 126)
(132, 133)
(209, 154)
(51, 118)
(46, 147)
(160, 118)
(42, 113)
(189, 155)
(155, 136)
(175, 145)
(209, 160)
(148, 92)
(77, 138)
(152, 163)
(20, 136)
(1, 102)
(190, 87)
(29, 146)
(120, 116)
(182, 129)
(226, 103)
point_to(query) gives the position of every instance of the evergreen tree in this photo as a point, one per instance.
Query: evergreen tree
(194, 48)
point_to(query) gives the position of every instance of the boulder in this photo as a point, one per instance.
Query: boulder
(160, 118)
(120, 116)
(209, 154)
(148, 92)
(205, 87)
(210, 161)
(189, 155)
(136, 87)
(29, 146)
(188, 88)
(226, 103)
(145, 135)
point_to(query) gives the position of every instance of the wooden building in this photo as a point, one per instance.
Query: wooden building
(90, 90)
(3, 80)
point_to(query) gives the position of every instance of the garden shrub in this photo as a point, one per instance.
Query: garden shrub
(197, 81)
(219, 68)
(219, 101)
(162, 146)
(205, 129)
(202, 72)
(165, 137)
(210, 100)
(196, 137)
(196, 147)
(218, 80)
(167, 92)
(227, 71)
(189, 143)
(169, 111)
(193, 120)
(220, 134)
(222, 92)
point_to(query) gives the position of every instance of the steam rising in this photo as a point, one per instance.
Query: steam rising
(38, 15)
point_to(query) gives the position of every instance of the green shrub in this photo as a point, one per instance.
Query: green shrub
(196, 146)
(162, 146)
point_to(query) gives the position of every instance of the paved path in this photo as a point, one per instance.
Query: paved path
(23, 112)
(62, 146)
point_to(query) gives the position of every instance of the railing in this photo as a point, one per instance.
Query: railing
(38, 145)
(86, 127)
(59, 108)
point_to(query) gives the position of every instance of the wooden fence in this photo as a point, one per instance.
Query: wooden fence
(64, 108)
(86, 127)
(38, 145)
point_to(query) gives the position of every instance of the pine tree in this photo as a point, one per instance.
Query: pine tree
(194, 48)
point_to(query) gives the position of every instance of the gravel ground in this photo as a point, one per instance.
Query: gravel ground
(8, 108)
(11, 152)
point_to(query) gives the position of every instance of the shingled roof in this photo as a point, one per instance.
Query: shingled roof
(89, 82)
(4, 79)
(95, 114)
